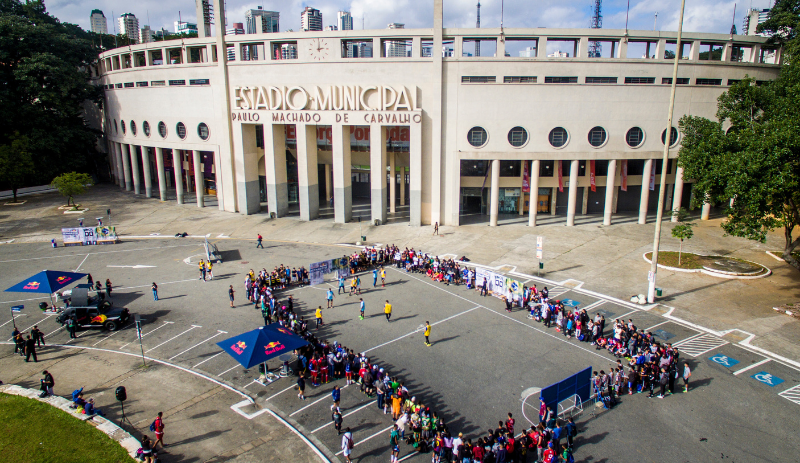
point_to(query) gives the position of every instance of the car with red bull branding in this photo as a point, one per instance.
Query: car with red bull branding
(93, 317)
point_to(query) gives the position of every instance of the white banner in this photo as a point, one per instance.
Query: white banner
(498, 286)
(83, 235)
(316, 272)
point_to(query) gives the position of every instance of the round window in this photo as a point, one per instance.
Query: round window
(517, 137)
(634, 137)
(122, 124)
(597, 137)
(558, 137)
(146, 128)
(180, 129)
(202, 131)
(162, 129)
(477, 136)
(673, 138)
(115, 126)
(133, 128)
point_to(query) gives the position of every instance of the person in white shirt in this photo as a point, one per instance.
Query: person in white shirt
(347, 444)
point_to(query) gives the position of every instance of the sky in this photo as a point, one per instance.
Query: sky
(701, 15)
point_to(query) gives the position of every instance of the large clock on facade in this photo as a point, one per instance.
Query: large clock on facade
(318, 49)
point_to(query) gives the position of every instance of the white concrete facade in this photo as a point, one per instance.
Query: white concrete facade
(314, 107)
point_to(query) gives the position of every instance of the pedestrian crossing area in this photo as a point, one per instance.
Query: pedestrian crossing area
(700, 344)
(792, 394)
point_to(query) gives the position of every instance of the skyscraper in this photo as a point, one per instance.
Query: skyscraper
(396, 48)
(752, 18)
(344, 21)
(182, 27)
(259, 21)
(311, 19)
(145, 34)
(129, 26)
(205, 17)
(98, 22)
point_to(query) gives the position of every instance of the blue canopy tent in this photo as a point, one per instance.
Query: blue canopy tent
(259, 345)
(46, 281)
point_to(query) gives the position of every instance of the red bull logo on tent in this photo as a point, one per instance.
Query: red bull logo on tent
(273, 347)
(32, 285)
(239, 347)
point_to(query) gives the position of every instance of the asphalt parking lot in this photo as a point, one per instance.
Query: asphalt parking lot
(481, 362)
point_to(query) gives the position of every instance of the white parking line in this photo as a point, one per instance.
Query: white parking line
(326, 396)
(345, 416)
(55, 331)
(115, 332)
(628, 313)
(593, 305)
(278, 393)
(176, 336)
(229, 369)
(145, 334)
(415, 331)
(687, 339)
(79, 265)
(22, 314)
(26, 329)
(201, 342)
(366, 439)
(206, 360)
(659, 324)
(751, 367)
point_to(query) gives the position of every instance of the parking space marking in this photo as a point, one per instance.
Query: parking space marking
(417, 331)
(206, 360)
(656, 325)
(412, 454)
(201, 342)
(356, 444)
(112, 334)
(278, 393)
(628, 313)
(792, 394)
(22, 314)
(79, 265)
(326, 396)
(738, 372)
(345, 416)
(594, 304)
(229, 369)
(144, 335)
(767, 378)
(176, 336)
(700, 345)
(26, 329)
(690, 337)
(53, 332)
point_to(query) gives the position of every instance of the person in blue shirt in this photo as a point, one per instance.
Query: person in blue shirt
(89, 409)
(341, 286)
(336, 394)
(362, 305)
(374, 277)
(330, 297)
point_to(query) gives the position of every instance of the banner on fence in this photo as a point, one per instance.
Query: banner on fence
(316, 272)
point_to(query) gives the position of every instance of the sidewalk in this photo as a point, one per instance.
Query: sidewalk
(200, 425)
(603, 259)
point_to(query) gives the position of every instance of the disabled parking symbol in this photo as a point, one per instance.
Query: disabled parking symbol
(570, 303)
(767, 379)
(723, 360)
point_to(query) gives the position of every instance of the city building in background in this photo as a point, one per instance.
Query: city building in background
(205, 17)
(182, 27)
(397, 48)
(145, 34)
(99, 25)
(558, 54)
(259, 21)
(129, 26)
(332, 27)
(528, 52)
(752, 18)
(344, 21)
(311, 19)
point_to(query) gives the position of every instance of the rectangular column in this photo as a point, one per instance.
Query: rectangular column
(120, 168)
(573, 192)
(137, 187)
(553, 201)
(199, 180)
(494, 197)
(218, 182)
(177, 168)
(162, 175)
(328, 183)
(248, 198)
(402, 185)
(585, 201)
(148, 181)
(645, 196)
(533, 203)
(677, 196)
(377, 172)
(392, 184)
(342, 163)
(415, 174)
(112, 161)
(611, 179)
(126, 166)
(307, 173)
(275, 165)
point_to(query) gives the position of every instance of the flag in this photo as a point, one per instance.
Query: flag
(592, 176)
(17, 308)
(526, 184)
(560, 176)
(624, 174)
(653, 177)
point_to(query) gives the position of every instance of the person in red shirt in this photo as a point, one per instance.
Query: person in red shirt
(159, 429)
(549, 455)
(510, 424)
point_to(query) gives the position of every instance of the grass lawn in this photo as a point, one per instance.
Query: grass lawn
(688, 260)
(36, 432)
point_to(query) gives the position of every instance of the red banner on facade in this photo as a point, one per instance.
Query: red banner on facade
(624, 172)
(592, 183)
(653, 177)
(560, 176)
(526, 177)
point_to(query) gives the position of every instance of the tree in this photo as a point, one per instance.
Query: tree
(783, 25)
(71, 184)
(682, 231)
(16, 163)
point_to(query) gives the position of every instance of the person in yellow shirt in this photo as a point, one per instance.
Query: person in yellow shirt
(319, 316)
(202, 268)
(387, 309)
(352, 286)
(209, 270)
(427, 333)
(383, 277)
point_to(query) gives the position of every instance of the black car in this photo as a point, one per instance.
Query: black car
(92, 317)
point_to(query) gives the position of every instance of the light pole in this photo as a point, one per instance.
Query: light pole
(651, 277)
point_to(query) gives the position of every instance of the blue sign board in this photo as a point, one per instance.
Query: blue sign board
(724, 360)
(577, 384)
(767, 379)
(570, 303)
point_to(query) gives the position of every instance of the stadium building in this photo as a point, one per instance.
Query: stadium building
(293, 119)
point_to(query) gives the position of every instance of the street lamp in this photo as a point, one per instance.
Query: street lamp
(651, 277)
